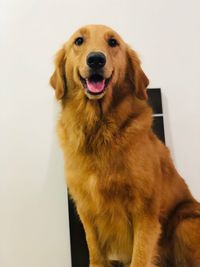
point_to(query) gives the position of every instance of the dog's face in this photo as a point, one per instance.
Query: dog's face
(93, 62)
(94, 53)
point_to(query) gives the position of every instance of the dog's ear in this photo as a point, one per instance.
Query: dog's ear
(136, 75)
(58, 79)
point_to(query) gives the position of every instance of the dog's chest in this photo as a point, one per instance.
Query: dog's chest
(107, 201)
(108, 206)
(109, 191)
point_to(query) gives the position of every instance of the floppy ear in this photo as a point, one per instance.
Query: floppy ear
(58, 79)
(136, 75)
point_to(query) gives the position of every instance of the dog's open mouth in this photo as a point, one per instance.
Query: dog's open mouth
(95, 85)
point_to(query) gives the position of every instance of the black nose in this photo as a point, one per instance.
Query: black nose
(96, 60)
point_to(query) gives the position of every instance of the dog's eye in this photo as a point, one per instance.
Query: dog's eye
(112, 42)
(79, 41)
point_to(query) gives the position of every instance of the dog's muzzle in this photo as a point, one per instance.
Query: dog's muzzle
(95, 85)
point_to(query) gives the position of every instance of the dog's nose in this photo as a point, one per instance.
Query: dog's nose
(96, 60)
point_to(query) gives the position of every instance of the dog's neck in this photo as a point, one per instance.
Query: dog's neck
(97, 123)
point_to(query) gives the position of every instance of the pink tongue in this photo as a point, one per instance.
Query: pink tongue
(95, 87)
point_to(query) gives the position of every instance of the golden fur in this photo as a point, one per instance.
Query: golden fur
(133, 204)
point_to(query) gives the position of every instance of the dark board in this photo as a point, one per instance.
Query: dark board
(155, 100)
(79, 251)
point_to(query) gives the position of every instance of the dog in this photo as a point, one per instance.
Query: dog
(134, 206)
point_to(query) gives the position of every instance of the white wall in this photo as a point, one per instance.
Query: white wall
(33, 210)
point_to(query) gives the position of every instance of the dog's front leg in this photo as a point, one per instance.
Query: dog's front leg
(96, 255)
(146, 234)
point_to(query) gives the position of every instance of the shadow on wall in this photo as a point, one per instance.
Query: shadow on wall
(167, 126)
(38, 230)
(56, 205)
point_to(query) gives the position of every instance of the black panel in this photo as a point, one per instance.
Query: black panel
(155, 100)
(79, 250)
(158, 128)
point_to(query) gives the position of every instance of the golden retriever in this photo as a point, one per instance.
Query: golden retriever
(134, 206)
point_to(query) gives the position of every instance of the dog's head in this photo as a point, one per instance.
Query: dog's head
(94, 62)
